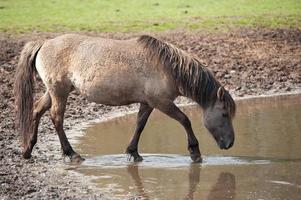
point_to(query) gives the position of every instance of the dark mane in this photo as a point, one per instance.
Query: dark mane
(193, 79)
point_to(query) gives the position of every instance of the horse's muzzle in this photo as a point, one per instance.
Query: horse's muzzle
(225, 144)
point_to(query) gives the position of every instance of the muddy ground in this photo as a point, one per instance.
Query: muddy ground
(247, 61)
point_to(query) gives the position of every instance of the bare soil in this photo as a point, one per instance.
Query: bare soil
(247, 61)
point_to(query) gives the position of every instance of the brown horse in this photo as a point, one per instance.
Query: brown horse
(142, 70)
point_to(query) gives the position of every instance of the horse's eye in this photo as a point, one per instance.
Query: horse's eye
(225, 114)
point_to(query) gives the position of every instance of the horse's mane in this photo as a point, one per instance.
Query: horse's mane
(193, 79)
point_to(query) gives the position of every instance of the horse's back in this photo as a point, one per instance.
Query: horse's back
(98, 66)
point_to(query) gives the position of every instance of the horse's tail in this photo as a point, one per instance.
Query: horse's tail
(24, 88)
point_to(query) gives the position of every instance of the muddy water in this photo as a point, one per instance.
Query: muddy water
(265, 162)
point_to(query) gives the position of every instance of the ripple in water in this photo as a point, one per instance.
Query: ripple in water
(167, 161)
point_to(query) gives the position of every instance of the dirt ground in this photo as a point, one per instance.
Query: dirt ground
(247, 61)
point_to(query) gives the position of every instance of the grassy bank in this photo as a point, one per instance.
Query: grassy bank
(135, 15)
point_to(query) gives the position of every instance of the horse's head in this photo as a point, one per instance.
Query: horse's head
(218, 119)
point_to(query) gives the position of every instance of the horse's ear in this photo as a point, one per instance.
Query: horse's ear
(220, 93)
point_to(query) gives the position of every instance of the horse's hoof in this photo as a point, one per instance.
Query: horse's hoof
(133, 153)
(27, 154)
(196, 158)
(138, 159)
(76, 159)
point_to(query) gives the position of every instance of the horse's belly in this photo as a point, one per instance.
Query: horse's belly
(110, 90)
(109, 96)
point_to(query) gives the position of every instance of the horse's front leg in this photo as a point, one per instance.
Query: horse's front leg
(143, 114)
(57, 116)
(170, 109)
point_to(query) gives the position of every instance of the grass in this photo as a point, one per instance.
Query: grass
(135, 15)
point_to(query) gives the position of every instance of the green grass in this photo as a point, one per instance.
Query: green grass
(135, 15)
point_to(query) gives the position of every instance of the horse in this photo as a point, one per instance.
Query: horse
(144, 70)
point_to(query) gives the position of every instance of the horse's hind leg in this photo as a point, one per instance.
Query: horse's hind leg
(170, 109)
(40, 107)
(143, 114)
(58, 106)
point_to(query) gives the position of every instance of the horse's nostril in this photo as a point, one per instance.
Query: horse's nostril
(224, 144)
(229, 144)
(221, 143)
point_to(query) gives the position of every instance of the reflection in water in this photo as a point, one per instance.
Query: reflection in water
(194, 180)
(224, 187)
(134, 173)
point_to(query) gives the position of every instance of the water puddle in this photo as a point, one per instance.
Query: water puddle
(265, 162)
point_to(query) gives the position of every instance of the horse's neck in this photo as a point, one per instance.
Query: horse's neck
(201, 89)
